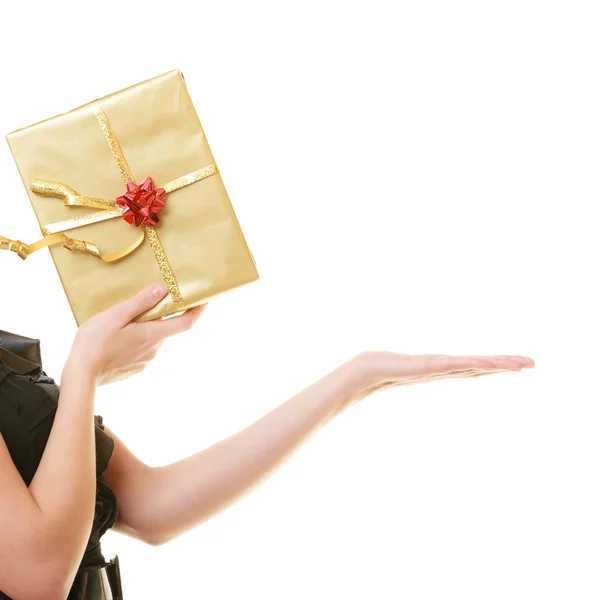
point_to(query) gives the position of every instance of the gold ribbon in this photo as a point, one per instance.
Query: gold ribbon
(109, 209)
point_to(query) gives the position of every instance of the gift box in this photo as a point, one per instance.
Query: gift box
(127, 193)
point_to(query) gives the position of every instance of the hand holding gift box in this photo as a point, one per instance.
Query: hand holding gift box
(140, 159)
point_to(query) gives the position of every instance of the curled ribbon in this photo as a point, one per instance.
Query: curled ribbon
(109, 209)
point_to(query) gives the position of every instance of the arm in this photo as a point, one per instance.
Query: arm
(157, 504)
(41, 525)
(45, 528)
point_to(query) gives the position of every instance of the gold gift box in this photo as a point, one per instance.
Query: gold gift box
(156, 129)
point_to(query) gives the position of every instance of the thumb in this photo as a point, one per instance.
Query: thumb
(140, 302)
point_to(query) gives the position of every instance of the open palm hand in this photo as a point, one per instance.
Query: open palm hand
(381, 370)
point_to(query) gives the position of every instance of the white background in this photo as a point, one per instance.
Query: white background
(410, 176)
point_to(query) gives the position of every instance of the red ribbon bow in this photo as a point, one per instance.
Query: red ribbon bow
(141, 203)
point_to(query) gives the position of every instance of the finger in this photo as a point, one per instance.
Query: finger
(439, 363)
(526, 361)
(499, 359)
(472, 373)
(444, 363)
(476, 373)
(485, 362)
(162, 328)
(434, 364)
(506, 362)
(140, 302)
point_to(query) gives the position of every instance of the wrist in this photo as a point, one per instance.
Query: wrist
(361, 370)
(79, 369)
(358, 376)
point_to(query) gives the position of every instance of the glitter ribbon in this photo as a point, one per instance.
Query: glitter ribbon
(109, 209)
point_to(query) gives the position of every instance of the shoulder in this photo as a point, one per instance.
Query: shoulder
(27, 412)
(26, 417)
(22, 356)
(31, 399)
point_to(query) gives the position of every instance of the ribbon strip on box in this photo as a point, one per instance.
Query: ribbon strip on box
(139, 206)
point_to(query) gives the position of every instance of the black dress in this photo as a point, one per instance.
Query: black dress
(28, 402)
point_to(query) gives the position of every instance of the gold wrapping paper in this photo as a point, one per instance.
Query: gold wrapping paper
(160, 136)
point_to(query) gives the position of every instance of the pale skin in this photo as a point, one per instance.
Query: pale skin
(158, 504)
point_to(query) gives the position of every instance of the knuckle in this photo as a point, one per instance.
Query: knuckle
(143, 298)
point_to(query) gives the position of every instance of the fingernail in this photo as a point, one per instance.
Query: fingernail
(159, 290)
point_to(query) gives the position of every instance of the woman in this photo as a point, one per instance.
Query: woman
(48, 447)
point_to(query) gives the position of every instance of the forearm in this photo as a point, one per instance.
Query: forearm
(174, 498)
(64, 485)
